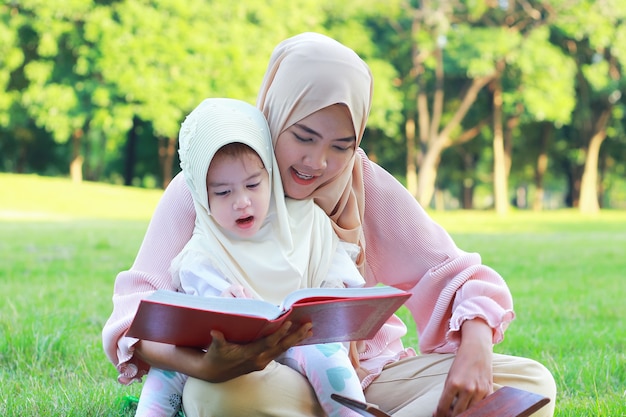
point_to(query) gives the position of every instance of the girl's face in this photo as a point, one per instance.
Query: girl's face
(313, 151)
(239, 192)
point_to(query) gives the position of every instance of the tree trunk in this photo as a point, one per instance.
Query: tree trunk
(510, 125)
(131, 153)
(76, 165)
(542, 165)
(589, 182)
(603, 169)
(167, 149)
(468, 184)
(427, 175)
(101, 162)
(500, 187)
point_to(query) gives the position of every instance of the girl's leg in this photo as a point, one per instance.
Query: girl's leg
(412, 386)
(277, 391)
(161, 394)
(329, 370)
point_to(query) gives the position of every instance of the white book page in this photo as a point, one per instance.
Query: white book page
(246, 306)
(297, 295)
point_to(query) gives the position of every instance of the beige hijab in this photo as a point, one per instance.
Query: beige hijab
(294, 247)
(307, 73)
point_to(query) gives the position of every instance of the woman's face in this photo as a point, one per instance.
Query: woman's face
(313, 151)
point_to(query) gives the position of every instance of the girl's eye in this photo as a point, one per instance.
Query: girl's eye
(221, 193)
(252, 186)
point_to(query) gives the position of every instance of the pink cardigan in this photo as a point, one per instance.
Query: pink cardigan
(404, 248)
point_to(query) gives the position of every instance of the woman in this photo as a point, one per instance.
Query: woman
(316, 96)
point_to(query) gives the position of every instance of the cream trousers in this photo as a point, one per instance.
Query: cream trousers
(408, 388)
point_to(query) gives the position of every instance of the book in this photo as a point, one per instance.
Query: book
(505, 402)
(361, 408)
(337, 314)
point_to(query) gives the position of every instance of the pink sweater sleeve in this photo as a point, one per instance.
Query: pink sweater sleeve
(169, 230)
(405, 248)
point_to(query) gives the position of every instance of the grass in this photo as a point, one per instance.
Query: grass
(61, 245)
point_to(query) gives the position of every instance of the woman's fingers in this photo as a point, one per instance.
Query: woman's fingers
(224, 360)
(287, 336)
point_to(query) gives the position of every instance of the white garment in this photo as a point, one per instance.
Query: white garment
(199, 277)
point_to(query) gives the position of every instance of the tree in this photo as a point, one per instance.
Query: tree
(427, 32)
(541, 97)
(20, 137)
(163, 57)
(55, 96)
(594, 34)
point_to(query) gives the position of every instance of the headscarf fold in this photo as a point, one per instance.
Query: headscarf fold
(307, 73)
(294, 247)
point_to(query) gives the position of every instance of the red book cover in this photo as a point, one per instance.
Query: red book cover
(505, 402)
(337, 314)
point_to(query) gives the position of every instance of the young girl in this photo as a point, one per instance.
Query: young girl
(249, 241)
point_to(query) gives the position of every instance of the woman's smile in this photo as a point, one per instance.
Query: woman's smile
(301, 178)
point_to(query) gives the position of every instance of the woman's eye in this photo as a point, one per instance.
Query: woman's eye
(342, 148)
(301, 139)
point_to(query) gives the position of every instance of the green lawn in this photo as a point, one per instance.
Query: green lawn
(61, 245)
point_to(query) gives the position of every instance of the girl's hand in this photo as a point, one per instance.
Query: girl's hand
(224, 361)
(470, 378)
(236, 291)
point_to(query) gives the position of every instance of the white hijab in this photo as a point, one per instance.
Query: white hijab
(294, 247)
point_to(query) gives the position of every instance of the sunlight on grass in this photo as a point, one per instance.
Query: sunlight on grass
(62, 245)
(31, 197)
(519, 221)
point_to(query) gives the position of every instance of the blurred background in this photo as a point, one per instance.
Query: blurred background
(478, 103)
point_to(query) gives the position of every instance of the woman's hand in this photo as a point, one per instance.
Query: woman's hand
(223, 361)
(470, 378)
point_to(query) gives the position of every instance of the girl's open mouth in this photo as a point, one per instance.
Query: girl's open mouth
(245, 222)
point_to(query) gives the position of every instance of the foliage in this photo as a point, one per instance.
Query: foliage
(108, 82)
(543, 81)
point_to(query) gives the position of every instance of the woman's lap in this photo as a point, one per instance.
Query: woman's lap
(412, 386)
(409, 387)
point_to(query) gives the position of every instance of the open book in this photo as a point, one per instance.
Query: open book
(337, 314)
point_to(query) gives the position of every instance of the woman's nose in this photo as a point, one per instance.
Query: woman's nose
(316, 160)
